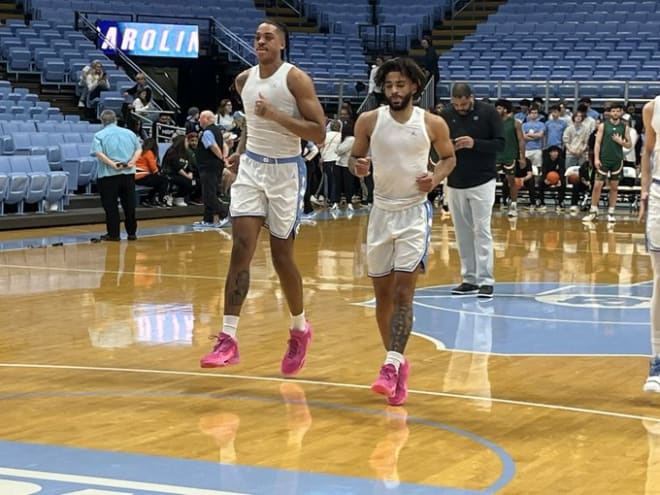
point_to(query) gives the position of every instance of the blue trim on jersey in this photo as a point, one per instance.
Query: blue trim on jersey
(266, 159)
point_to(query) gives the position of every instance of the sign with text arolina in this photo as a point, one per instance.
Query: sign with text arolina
(143, 39)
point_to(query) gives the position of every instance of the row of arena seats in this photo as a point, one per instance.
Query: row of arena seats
(29, 180)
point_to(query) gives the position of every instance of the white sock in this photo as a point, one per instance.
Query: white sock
(593, 209)
(513, 205)
(610, 210)
(298, 322)
(394, 358)
(230, 325)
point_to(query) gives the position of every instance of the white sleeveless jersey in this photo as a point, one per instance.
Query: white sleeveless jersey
(655, 123)
(266, 137)
(399, 153)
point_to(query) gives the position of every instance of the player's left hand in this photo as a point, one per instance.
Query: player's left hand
(462, 142)
(425, 182)
(262, 108)
(618, 139)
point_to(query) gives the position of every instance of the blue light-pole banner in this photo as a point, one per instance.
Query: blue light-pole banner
(148, 39)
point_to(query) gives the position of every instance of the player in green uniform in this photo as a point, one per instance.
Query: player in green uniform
(513, 153)
(611, 138)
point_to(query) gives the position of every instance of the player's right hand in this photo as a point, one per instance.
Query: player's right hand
(362, 166)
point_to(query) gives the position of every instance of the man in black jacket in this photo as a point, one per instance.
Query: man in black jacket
(210, 155)
(477, 132)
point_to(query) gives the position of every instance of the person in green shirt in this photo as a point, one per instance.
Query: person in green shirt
(611, 138)
(513, 153)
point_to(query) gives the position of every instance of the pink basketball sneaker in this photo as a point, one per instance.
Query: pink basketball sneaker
(296, 351)
(401, 392)
(386, 382)
(224, 353)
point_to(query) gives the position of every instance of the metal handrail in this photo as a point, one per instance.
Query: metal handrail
(235, 45)
(155, 88)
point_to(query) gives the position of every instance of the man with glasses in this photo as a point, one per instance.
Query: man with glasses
(478, 135)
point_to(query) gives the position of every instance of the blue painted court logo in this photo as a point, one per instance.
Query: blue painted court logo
(538, 319)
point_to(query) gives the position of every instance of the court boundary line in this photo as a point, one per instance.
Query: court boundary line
(540, 405)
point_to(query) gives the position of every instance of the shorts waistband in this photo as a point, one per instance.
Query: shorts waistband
(266, 159)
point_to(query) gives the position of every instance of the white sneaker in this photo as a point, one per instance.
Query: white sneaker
(350, 207)
(316, 201)
(611, 218)
(574, 209)
(513, 212)
(334, 207)
(590, 217)
(180, 202)
(220, 223)
(168, 200)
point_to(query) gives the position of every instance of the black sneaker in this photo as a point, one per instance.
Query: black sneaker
(464, 289)
(108, 237)
(485, 291)
(132, 237)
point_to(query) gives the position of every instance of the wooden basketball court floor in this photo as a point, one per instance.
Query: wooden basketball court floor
(537, 392)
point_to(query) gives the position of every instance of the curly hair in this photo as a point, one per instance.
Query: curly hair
(406, 66)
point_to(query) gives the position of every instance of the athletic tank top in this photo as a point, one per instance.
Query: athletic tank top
(399, 153)
(655, 123)
(611, 153)
(511, 149)
(266, 137)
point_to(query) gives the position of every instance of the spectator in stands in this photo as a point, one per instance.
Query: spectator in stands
(534, 131)
(526, 181)
(142, 104)
(586, 101)
(438, 108)
(583, 186)
(117, 151)
(375, 93)
(430, 59)
(576, 140)
(513, 153)
(164, 129)
(192, 141)
(555, 128)
(140, 84)
(225, 116)
(94, 80)
(177, 167)
(343, 183)
(564, 112)
(629, 155)
(540, 104)
(552, 162)
(310, 153)
(329, 157)
(147, 173)
(211, 152)
(612, 137)
(521, 115)
(192, 121)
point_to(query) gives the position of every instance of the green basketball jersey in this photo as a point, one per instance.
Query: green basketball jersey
(611, 153)
(511, 149)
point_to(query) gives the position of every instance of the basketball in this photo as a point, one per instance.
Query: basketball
(553, 178)
(573, 178)
(519, 181)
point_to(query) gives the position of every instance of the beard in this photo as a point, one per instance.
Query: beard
(405, 100)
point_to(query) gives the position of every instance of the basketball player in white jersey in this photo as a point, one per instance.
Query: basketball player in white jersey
(399, 137)
(650, 210)
(281, 107)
